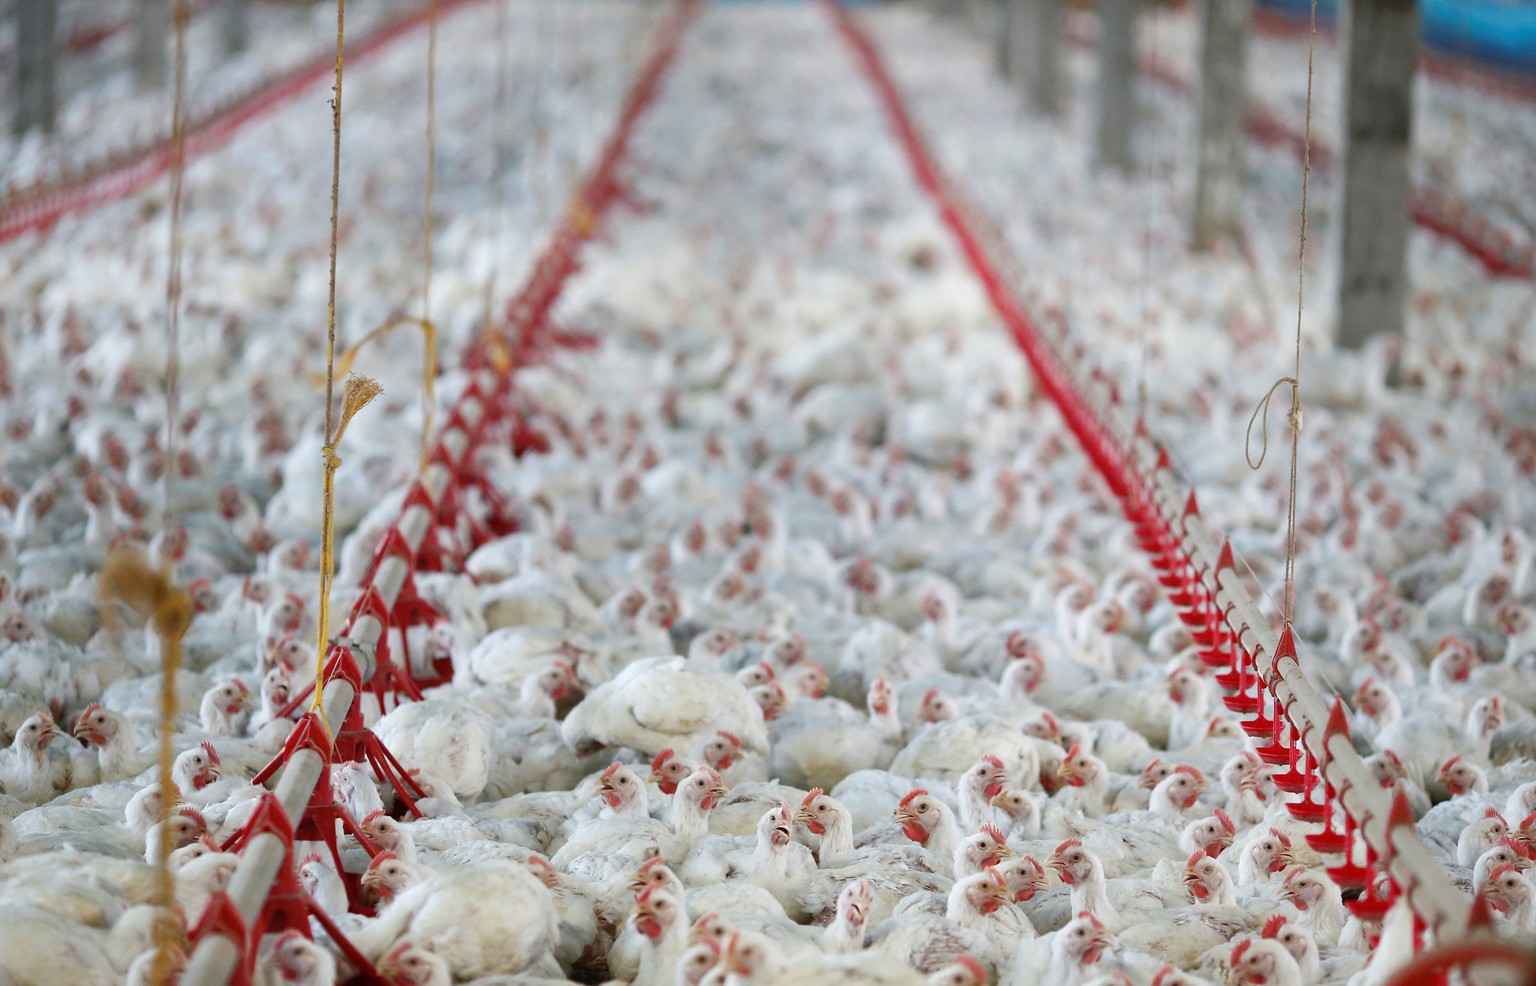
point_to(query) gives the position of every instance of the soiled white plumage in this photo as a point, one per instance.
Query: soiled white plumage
(447, 740)
(493, 917)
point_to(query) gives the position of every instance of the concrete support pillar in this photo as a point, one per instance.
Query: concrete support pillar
(1045, 72)
(36, 65)
(151, 38)
(1008, 24)
(1224, 30)
(1381, 45)
(1116, 84)
(235, 25)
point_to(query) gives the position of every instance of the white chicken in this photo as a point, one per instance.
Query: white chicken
(660, 702)
(514, 928)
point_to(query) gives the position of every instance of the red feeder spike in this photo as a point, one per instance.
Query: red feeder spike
(1191, 509)
(220, 917)
(356, 742)
(288, 907)
(389, 679)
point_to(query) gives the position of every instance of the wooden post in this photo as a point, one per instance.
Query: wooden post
(151, 34)
(1117, 83)
(235, 25)
(1224, 29)
(36, 66)
(1042, 41)
(1381, 44)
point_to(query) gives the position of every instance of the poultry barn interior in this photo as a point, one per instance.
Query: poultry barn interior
(804, 492)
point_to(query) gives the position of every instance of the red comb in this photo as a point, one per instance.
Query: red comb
(812, 795)
(1074, 751)
(730, 737)
(1088, 916)
(1226, 821)
(1494, 813)
(193, 814)
(612, 769)
(382, 858)
(930, 695)
(916, 792)
(994, 833)
(973, 967)
(1285, 840)
(1501, 869)
(313, 857)
(1194, 772)
(1273, 925)
(993, 760)
(661, 758)
(376, 813)
(1240, 949)
(213, 754)
(1074, 841)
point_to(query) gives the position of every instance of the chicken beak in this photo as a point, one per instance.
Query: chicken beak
(370, 878)
(656, 777)
(1064, 771)
(903, 817)
(84, 730)
(999, 799)
(805, 816)
(1003, 852)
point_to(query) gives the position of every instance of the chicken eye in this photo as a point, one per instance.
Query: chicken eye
(922, 809)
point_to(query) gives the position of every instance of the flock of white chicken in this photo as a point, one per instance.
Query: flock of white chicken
(820, 656)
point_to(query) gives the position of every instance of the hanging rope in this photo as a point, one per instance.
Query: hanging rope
(501, 353)
(180, 17)
(1293, 416)
(427, 403)
(328, 450)
(127, 576)
(1146, 257)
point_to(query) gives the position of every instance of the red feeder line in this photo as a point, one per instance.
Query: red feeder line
(226, 922)
(1150, 502)
(40, 206)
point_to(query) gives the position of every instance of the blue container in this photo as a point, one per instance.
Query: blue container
(1499, 32)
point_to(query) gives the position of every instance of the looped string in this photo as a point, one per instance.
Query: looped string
(356, 393)
(344, 362)
(1261, 415)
